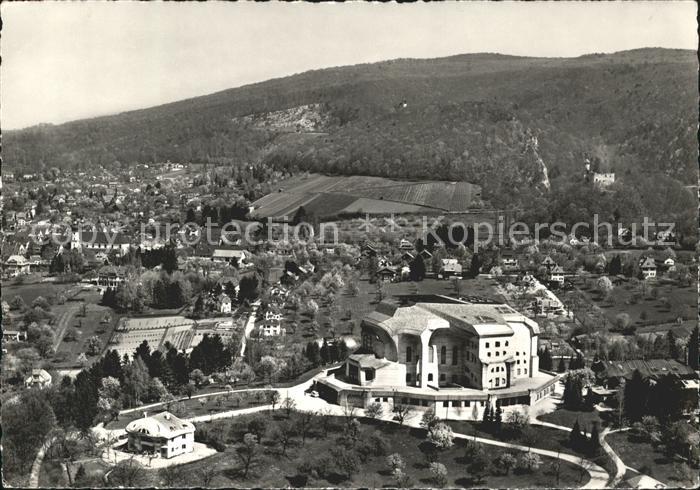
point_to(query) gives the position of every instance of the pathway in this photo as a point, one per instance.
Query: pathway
(599, 477)
(249, 326)
(36, 466)
(62, 323)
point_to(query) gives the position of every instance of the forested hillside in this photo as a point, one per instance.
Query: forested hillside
(521, 128)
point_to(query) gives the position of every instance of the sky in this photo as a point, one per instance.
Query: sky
(71, 60)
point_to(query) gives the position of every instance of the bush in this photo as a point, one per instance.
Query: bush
(439, 474)
(529, 462)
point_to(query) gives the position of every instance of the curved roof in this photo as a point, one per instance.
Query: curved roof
(477, 319)
(163, 424)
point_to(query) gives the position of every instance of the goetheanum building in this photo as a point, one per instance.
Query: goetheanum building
(443, 352)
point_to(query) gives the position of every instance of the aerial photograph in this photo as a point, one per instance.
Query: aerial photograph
(349, 245)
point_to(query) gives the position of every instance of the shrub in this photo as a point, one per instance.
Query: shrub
(439, 474)
(529, 462)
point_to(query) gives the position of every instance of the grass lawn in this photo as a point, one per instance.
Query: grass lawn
(620, 301)
(194, 407)
(86, 326)
(567, 418)
(644, 457)
(29, 292)
(272, 469)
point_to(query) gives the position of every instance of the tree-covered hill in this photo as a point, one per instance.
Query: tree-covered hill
(494, 120)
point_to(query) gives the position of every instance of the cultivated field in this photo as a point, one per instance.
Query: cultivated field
(328, 196)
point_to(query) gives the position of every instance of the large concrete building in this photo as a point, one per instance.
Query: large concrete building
(442, 352)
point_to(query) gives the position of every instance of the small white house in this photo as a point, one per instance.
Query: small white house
(39, 378)
(163, 434)
(556, 274)
(272, 326)
(16, 265)
(224, 303)
(670, 264)
(450, 268)
(648, 267)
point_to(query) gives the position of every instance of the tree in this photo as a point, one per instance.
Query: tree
(283, 435)
(270, 367)
(171, 476)
(128, 473)
(505, 462)
(575, 436)
(517, 421)
(615, 266)
(401, 412)
(475, 267)
(288, 404)
(545, 359)
(248, 452)
(529, 462)
(429, 419)
(345, 461)
(478, 464)
(273, 398)
(25, 424)
(635, 397)
(303, 424)
(93, 346)
(438, 471)
(440, 436)
(486, 416)
(17, 303)
(693, 354)
(109, 401)
(395, 463)
(197, 377)
(417, 269)
(561, 367)
(374, 410)
(595, 439)
(257, 426)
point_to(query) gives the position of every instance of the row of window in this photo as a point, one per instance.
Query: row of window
(498, 344)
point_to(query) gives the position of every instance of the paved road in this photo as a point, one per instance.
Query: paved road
(36, 466)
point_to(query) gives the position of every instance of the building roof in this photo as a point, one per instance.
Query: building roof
(476, 319)
(39, 376)
(648, 368)
(228, 253)
(647, 262)
(369, 361)
(163, 424)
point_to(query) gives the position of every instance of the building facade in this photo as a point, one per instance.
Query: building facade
(440, 348)
(163, 434)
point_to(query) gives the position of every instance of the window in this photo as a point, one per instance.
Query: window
(525, 370)
(504, 353)
(517, 362)
(518, 372)
(409, 353)
(487, 345)
(431, 355)
(443, 355)
(430, 376)
(506, 343)
(497, 381)
(455, 355)
(445, 403)
(497, 353)
(488, 354)
(184, 446)
(408, 377)
(442, 377)
(482, 403)
(456, 403)
(498, 344)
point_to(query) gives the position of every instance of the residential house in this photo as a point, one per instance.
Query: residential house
(449, 268)
(647, 265)
(272, 325)
(227, 255)
(38, 378)
(13, 335)
(224, 303)
(548, 263)
(405, 245)
(670, 264)
(556, 274)
(603, 180)
(163, 434)
(386, 274)
(16, 265)
(509, 260)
